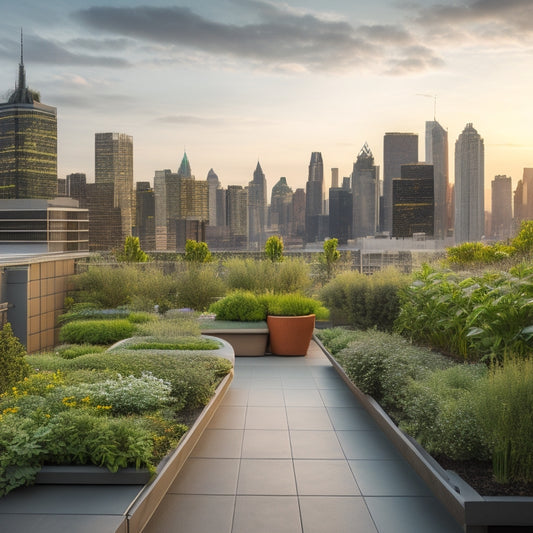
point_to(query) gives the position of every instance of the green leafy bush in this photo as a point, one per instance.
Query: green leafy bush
(274, 248)
(362, 301)
(294, 305)
(13, 366)
(132, 251)
(291, 275)
(243, 306)
(197, 252)
(335, 339)
(199, 287)
(70, 351)
(191, 343)
(96, 331)
(174, 325)
(503, 405)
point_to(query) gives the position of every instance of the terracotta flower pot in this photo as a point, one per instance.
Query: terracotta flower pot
(290, 335)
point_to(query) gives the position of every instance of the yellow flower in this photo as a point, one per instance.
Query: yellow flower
(104, 407)
(10, 410)
(86, 399)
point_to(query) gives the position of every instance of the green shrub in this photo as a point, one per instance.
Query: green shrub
(382, 365)
(197, 252)
(132, 251)
(13, 366)
(335, 339)
(274, 248)
(362, 301)
(141, 317)
(243, 306)
(173, 325)
(503, 406)
(439, 411)
(70, 351)
(96, 331)
(294, 305)
(199, 287)
(291, 275)
(92, 313)
(192, 343)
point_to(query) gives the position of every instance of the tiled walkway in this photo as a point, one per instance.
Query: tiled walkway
(290, 451)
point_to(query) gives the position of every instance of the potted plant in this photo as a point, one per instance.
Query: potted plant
(291, 322)
(240, 320)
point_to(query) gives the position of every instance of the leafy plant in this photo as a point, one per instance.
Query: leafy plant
(70, 351)
(193, 343)
(243, 306)
(274, 248)
(132, 251)
(13, 367)
(197, 252)
(294, 305)
(96, 331)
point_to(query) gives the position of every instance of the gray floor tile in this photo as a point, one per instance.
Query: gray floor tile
(367, 445)
(342, 397)
(350, 418)
(266, 418)
(388, 478)
(207, 476)
(324, 477)
(236, 396)
(303, 398)
(410, 515)
(266, 444)
(266, 383)
(266, 477)
(221, 443)
(228, 417)
(336, 515)
(186, 513)
(298, 382)
(266, 397)
(329, 382)
(266, 514)
(315, 445)
(308, 418)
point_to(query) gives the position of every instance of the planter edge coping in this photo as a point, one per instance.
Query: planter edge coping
(146, 503)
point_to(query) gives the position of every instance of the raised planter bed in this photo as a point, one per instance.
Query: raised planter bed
(474, 512)
(246, 338)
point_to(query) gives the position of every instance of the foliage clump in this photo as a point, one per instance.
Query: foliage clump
(103, 332)
(242, 306)
(13, 366)
(274, 248)
(132, 251)
(197, 252)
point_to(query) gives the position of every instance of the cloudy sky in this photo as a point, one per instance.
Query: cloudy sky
(237, 81)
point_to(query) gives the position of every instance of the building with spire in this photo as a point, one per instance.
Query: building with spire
(281, 208)
(365, 189)
(257, 209)
(469, 186)
(28, 143)
(314, 197)
(213, 184)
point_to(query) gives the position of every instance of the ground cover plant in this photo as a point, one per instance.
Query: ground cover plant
(463, 414)
(83, 404)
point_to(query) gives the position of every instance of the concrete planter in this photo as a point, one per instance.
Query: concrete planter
(474, 512)
(247, 338)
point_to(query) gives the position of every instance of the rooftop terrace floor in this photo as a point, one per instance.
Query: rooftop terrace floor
(291, 450)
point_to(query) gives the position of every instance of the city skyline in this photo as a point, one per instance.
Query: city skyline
(327, 77)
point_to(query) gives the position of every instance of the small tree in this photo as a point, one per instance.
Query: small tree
(197, 252)
(330, 255)
(132, 252)
(13, 366)
(274, 248)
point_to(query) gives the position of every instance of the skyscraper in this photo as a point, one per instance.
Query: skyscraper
(502, 207)
(257, 208)
(365, 189)
(237, 214)
(28, 144)
(469, 186)
(213, 184)
(113, 165)
(281, 207)
(437, 155)
(314, 198)
(145, 215)
(340, 214)
(413, 203)
(398, 149)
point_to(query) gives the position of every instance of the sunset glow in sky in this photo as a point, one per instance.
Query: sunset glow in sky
(234, 81)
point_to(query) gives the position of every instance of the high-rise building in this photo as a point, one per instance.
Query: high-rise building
(281, 207)
(334, 178)
(237, 214)
(413, 205)
(257, 209)
(145, 215)
(502, 207)
(113, 165)
(437, 155)
(105, 219)
(213, 184)
(76, 185)
(365, 189)
(469, 186)
(298, 214)
(398, 149)
(314, 197)
(28, 144)
(340, 214)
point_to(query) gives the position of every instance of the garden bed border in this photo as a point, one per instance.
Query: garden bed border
(473, 512)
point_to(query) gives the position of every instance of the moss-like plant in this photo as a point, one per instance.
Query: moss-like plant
(294, 305)
(96, 331)
(242, 306)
